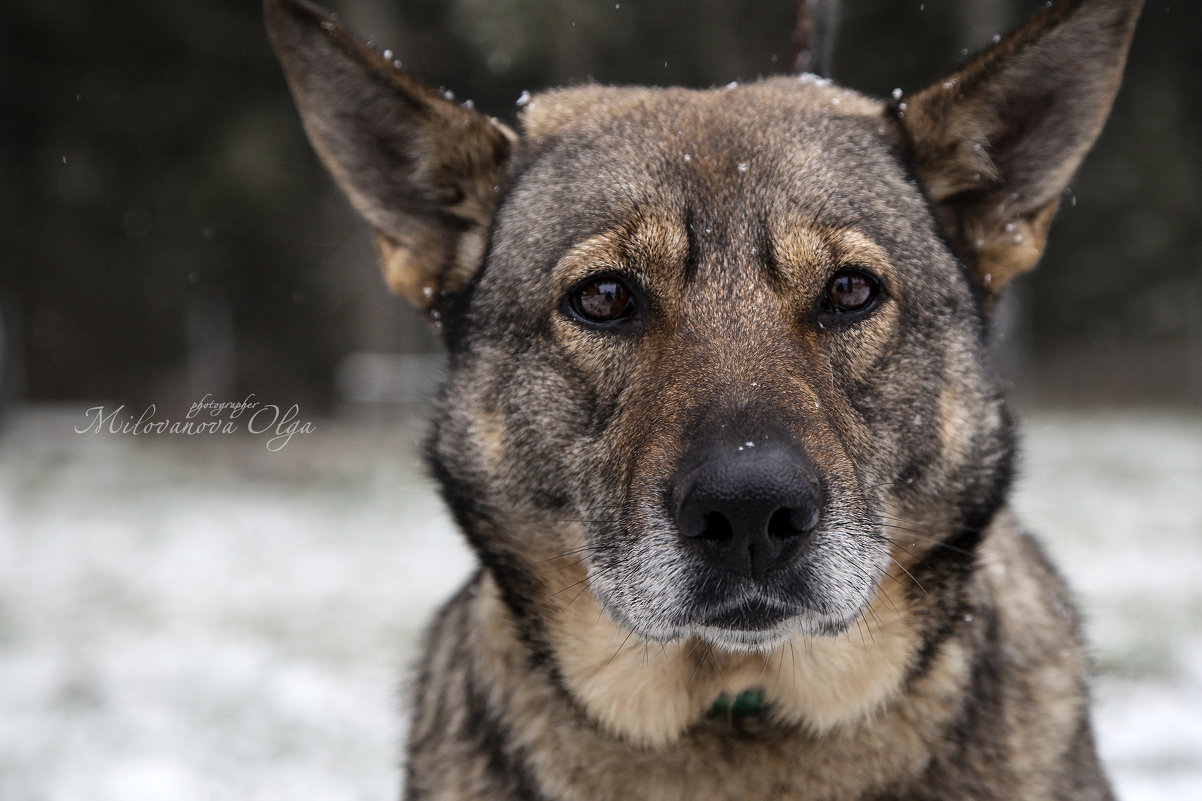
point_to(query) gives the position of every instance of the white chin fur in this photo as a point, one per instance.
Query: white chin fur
(745, 641)
(807, 624)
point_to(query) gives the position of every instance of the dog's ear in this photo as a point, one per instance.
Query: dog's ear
(995, 144)
(420, 168)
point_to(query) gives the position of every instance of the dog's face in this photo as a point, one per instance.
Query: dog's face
(703, 336)
(720, 351)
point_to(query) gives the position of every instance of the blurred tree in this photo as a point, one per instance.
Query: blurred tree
(157, 182)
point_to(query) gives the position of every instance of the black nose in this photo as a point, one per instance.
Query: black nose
(747, 508)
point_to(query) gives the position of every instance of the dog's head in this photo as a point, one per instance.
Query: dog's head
(725, 349)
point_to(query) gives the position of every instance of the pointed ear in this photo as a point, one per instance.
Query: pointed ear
(995, 144)
(420, 168)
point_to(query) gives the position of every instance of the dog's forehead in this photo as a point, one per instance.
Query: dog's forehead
(783, 141)
(775, 153)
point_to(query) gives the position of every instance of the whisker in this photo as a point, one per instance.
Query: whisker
(780, 663)
(917, 583)
(568, 566)
(923, 533)
(880, 624)
(861, 623)
(932, 542)
(764, 669)
(718, 667)
(895, 518)
(895, 579)
(571, 552)
(696, 662)
(576, 598)
(889, 600)
(570, 586)
(793, 659)
(614, 655)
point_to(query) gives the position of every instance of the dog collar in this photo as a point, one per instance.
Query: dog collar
(746, 704)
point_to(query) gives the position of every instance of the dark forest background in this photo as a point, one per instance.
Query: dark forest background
(168, 233)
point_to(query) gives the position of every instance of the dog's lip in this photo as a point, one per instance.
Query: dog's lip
(753, 615)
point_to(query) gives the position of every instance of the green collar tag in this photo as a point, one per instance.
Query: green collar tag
(744, 705)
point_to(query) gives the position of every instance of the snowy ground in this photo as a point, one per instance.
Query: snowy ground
(201, 618)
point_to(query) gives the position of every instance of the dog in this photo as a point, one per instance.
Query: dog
(720, 422)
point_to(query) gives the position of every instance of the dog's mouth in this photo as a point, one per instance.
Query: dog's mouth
(753, 625)
(755, 615)
(734, 613)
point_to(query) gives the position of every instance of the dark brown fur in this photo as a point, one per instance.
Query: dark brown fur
(929, 651)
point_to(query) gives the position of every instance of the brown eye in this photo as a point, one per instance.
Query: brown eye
(603, 300)
(850, 290)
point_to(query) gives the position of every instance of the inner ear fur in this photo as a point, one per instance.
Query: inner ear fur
(995, 144)
(420, 168)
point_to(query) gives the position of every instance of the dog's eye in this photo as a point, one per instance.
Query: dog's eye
(602, 300)
(850, 290)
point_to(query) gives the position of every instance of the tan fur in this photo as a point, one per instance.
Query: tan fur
(650, 695)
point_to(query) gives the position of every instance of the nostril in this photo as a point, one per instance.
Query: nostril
(787, 523)
(780, 525)
(717, 528)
